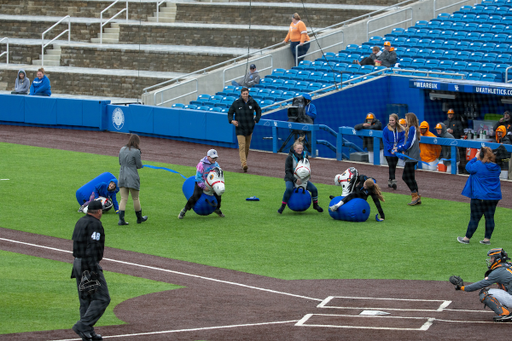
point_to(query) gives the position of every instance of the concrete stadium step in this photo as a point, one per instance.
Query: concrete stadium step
(46, 62)
(155, 58)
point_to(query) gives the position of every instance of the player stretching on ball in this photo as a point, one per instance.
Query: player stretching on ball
(500, 272)
(364, 187)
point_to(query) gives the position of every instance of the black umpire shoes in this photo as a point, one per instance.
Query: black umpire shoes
(86, 336)
(96, 337)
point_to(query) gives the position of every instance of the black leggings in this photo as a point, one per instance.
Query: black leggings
(409, 176)
(392, 162)
(198, 191)
(481, 208)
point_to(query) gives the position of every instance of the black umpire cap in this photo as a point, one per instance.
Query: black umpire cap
(95, 205)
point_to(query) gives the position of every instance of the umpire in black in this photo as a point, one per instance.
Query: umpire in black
(243, 108)
(88, 246)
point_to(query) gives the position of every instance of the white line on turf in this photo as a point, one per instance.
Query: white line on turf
(191, 330)
(172, 271)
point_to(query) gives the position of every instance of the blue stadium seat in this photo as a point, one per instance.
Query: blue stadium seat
(190, 106)
(445, 64)
(431, 63)
(498, 28)
(495, 19)
(405, 62)
(500, 38)
(475, 46)
(302, 65)
(418, 62)
(490, 57)
(488, 67)
(486, 37)
(366, 69)
(469, 17)
(374, 41)
(437, 43)
(446, 25)
(502, 48)
(420, 33)
(410, 52)
(365, 49)
(230, 88)
(434, 24)
(216, 98)
(472, 36)
(423, 43)
(434, 34)
(399, 41)
(423, 52)
(421, 24)
(216, 109)
(203, 108)
(437, 54)
(464, 9)
(481, 28)
(353, 68)
(461, 46)
(476, 56)
(341, 67)
(289, 74)
(474, 76)
(489, 77)
(503, 58)
(488, 46)
(288, 85)
(328, 56)
(411, 42)
(301, 86)
(456, 16)
(314, 87)
(289, 94)
(264, 92)
(473, 66)
(459, 65)
(229, 99)
(460, 35)
(178, 105)
(315, 76)
(449, 44)
(443, 16)
(276, 84)
(224, 110)
(461, 56)
(355, 56)
(273, 95)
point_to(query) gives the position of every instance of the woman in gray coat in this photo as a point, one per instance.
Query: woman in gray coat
(129, 181)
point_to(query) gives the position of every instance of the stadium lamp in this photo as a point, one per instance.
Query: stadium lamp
(435, 95)
(506, 100)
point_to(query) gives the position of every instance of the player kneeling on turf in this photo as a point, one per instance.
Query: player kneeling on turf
(363, 187)
(499, 272)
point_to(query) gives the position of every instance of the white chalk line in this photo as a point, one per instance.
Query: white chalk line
(174, 272)
(190, 330)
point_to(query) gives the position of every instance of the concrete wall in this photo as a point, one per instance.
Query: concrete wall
(76, 8)
(31, 29)
(352, 33)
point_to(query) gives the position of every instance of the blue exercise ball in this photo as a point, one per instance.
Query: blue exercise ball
(84, 193)
(300, 200)
(206, 203)
(356, 210)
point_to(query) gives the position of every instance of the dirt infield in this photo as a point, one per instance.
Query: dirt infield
(220, 304)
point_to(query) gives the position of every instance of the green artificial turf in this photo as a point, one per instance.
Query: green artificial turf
(415, 243)
(38, 294)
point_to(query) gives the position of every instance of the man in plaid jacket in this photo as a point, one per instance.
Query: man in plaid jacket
(244, 120)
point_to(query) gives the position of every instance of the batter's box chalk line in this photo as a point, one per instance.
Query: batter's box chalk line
(440, 305)
(369, 321)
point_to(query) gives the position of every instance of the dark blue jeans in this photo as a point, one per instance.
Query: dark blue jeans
(302, 50)
(290, 186)
(481, 208)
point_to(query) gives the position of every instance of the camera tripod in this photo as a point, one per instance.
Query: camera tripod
(296, 134)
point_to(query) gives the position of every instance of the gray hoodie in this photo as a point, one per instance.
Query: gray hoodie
(22, 85)
(446, 151)
(251, 79)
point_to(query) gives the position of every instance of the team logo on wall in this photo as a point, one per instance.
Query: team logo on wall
(118, 118)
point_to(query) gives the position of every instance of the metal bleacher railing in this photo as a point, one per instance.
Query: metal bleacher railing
(68, 31)
(6, 53)
(102, 24)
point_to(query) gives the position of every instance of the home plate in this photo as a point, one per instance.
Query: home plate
(373, 313)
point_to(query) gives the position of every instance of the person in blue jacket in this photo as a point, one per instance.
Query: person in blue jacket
(105, 190)
(41, 85)
(483, 187)
(392, 136)
(411, 152)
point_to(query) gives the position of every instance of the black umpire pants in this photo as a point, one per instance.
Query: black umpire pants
(198, 191)
(93, 306)
(481, 208)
